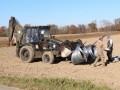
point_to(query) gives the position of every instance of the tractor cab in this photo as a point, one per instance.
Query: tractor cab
(35, 34)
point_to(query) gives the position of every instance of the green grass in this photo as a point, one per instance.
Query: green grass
(48, 83)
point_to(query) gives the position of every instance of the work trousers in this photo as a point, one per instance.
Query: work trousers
(100, 57)
(109, 55)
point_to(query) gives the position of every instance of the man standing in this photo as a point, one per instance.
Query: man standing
(101, 53)
(110, 49)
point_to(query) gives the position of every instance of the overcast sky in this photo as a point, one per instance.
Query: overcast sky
(60, 12)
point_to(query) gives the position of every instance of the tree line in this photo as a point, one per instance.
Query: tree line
(3, 31)
(105, 25)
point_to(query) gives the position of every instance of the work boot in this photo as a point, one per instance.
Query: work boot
(94, 65)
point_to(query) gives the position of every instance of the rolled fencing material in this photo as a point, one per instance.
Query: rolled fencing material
(79, 55)
(92, 53)
(88, 53)
(84, 54)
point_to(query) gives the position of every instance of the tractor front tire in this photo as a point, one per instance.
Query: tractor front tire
(48, 57)
(27, 54)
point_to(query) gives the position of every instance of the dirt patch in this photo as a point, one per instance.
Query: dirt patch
(3, 41)
(11, 65)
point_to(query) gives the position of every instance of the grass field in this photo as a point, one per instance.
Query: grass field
(84, 35)
(3, 44)
(49, 84)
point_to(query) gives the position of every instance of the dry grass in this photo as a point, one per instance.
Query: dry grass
(85, 35)
(3, 43)
(4, 40)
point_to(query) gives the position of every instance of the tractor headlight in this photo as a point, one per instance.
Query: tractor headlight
(54, 46)
(36, 46)
(42, 32)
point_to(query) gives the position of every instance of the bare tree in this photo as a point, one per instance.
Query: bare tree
(71, 29)
(117, 24)
(63, 30)
(3, 31)
(106, 25)
(92, 26)
(54, 29)
(82, 28)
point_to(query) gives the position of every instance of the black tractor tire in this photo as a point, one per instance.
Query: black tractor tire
(48, 57)
(27, 54)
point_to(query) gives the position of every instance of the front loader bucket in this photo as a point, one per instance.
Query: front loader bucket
(66, 52)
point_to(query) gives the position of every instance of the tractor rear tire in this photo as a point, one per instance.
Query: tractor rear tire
(27, 54)
(48, 57)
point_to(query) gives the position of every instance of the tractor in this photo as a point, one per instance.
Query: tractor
(34, 42)
(37, 42)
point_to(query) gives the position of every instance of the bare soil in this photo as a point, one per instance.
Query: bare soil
(110, 75)
(3, 41)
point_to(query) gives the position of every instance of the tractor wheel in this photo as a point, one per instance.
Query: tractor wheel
(48, 57)
(27, 54)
